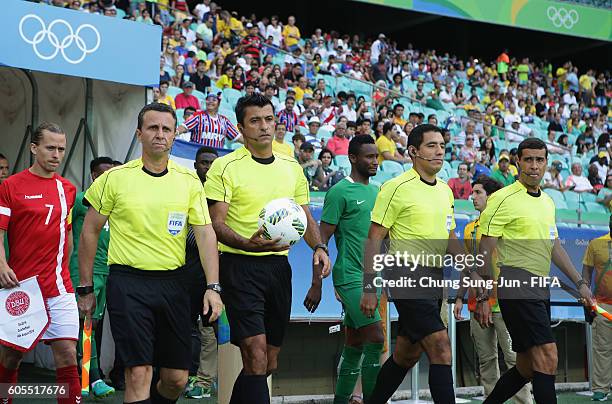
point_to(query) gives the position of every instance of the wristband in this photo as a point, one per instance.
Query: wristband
(322, 246)
(580, 283)
(84, 290)
(214, 287)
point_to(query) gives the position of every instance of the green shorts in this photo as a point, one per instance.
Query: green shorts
(99, 282)
(350, 295)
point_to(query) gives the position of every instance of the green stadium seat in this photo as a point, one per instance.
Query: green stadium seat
(375, 183)
(455, 163)
(443, 175)
(392, 167)
(596, 218)
(567, 215)
(381, 177)
(407, 166)
(231, 96)
(170, 71)
(557, 196)
(588, 196)
(572, 197)
(596, 207)
(120, 13)
(343, 163)
(174, 91)
(463, 205)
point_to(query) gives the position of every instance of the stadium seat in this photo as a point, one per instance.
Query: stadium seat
(455, 163)
(463, 205)
(588, 196)
(557, 196)
(567, 215)
(595, 207)
(407, 166)
(174, 91)
(120, 13)
(231, 96)
(342, 161)
(179, 116)
(381, 177)
(392, 167)
(170, 71)
(572, 198)
(443, 175)
(596, 218)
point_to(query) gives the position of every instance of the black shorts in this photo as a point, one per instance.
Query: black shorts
(257, 295)
(149, 313)
(418, 318)
(528, 322)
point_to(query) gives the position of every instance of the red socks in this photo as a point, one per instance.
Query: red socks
(7, 376)
(70, 376)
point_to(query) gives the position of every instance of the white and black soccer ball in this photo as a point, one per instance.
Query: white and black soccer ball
(283, 218)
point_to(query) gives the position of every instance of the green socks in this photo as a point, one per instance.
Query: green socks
(370, 367)
(347, 374)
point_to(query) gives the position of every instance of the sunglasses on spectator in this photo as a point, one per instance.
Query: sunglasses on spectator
(469, 138)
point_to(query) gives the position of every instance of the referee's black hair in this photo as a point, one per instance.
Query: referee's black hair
(255, 100)
(416, 136)
(532, 143)
(156, 106)
(100, 160)
(206, 149)
(489, 184)
(358, 141)
(48, 126)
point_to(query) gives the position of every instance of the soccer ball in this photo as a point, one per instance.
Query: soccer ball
(283, 218)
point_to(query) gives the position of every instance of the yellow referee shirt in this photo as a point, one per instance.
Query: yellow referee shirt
(247, 186)
(525, 225)
(414, 210)
(149, 213)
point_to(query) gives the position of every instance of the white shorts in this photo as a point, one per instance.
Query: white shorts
(64, 316)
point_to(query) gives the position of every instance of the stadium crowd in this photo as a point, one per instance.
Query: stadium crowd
(329, 87)
(487, 106)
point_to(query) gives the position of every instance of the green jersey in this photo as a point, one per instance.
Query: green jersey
(348, 206)
(101, 261)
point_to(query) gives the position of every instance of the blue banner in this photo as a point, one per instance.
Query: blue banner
(58, 40)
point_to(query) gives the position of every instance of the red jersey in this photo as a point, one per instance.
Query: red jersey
(35, 213)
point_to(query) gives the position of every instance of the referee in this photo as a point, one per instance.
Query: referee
(149, 203)
(255, 274)
(522, 218)
(416, 210)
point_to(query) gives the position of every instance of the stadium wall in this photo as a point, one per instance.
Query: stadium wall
(62, 99)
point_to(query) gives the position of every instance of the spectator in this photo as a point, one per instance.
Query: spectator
(251, 44)
(302, 88)
(461, 186)
(288, 115)
(386, 145)
(480, 166)
(602, 165)
(378, 48)
(585, 142)
(468, 152)
(274, 30)
(398, 112)
(178, 80)
(329, 176)
(470, 130)
(209, 128)
(200, 79)
(552, 177)
(310, 165)
(164, 98)
(205, 31)
(278, 143)
(4, 168)
(348, 110)
(225, 81)
(163, 74)
(519, 132)
(576, 182)
(488, 147)
(502, 173)
(291, 34)
(186, 99)
(338, 144)
(298, 140)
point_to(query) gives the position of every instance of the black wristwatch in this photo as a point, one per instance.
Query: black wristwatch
(322, 247)
(582, 282)
(214, 286)
(84, 290)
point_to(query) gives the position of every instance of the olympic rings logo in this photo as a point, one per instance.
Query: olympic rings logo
(561, 17)
(60, 46)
